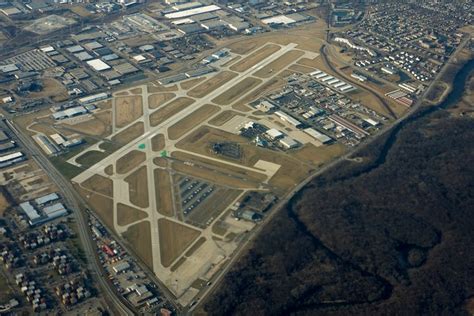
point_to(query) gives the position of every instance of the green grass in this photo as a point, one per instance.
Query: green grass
(66, 169)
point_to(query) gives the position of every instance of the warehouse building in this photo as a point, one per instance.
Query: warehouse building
(121, 267)
(324, 139)
(288, 142)
(11, 159)
(69, 113)
(190, 12)
(94, 98)
(46, 145)
(46, 199)
(286, 118)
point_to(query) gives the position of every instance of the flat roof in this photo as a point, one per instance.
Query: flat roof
(46, 198)
(98, 65)
(279, 19)
(11, 156)
(75, 49)
(191, 12)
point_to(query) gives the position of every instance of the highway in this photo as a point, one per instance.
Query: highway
(70, 197)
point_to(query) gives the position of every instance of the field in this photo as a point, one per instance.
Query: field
(139, 237)
(192, 120)
(4, 204)
(268, 86)
(188, 84)
(102, 205)
(99, 184)
(138, 187)
(158, 142)
(157, 100)
(130, 161)
(91, 157)
(223, 117)
(237, 91)
(127, 110)
(212, 84)
(100, 124)
(172, 108)
(51, 88)
(164, 198)
(174, 239)
(127, 215)
(279, 64)
(129, 134)
(255, 58)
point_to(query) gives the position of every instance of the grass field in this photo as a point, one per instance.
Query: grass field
(255, 58)
(130, 161)
(164, 113)
(192, 120)
(160, 162)
(109, 170)
(174, 239)
(138, 187)
(188, 84)
(270, 85)
(195, 247)
(127, 215)
(237, 91)
(223, 118)
(53, 89)
(301, 69)
(129, 134)
(103, 206)
(99, 125)
(91, 157)
(164, 198)
(279, 64)
(139, 237)
(212, 84)
(137, 90)
(319, 155)
(157, 100)
(159, 88)
(99, 184)
(158, 142)
(127, 110)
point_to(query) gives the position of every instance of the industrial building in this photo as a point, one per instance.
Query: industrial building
(288, 142)
(121, 267)
(324, 139)
(286, 118)
(94, 98)
(46, 199)
(48, 213)
(71, 112)
(11, 159)
(190, 12)
(46, 145)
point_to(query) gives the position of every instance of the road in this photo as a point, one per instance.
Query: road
(70, 198)
(284, 201)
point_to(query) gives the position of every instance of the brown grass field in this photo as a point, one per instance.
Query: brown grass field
(102, 206)
(160, 162)
(255, 58)
(130, 161)
(319, 155)
(237, 91)
(159, 88)
(192, 120)
(178, 264)
(109, 170)
(127, 110)
(195, 247)
(279, 64)
(138, 187)
(91, 157)
(53, 89)
(301, 69)
(158, 142)
(270, 85)
(139, 237)
(136, 91)
(174, 239)
(212, 84)
(99, 184)
(164, 198)
(188, 84)
(223, 118)
(157, 100)
(127, 215)
(4, 205)
(217, 172)
(99, 125)
(172, 108)
(129, 134)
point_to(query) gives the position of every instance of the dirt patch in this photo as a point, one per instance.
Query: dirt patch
(99, 184)
(172, 108)
(127, 215)
(223, 118)
(127, 110)
(129, 134)
(138, 187)
(212, 84)
(139, 237)
(236, 91)
(130, 161)
(255, 58)
(164, 198)
(157, 100)
(174, 239)
(158, 142)
(188, 84)
(279, 64)
(192, 120)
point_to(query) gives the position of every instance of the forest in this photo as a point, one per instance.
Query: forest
(392, 234)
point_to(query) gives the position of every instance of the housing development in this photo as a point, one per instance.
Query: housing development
(144, 144)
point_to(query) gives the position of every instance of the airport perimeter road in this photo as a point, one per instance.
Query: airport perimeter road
(283, 202)
(68, 194)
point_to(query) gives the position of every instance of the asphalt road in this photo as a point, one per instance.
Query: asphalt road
(69, 196)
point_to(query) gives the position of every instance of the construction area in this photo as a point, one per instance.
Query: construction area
(175, 162)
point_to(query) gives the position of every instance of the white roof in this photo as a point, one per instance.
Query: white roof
(98, 65)
(279, 19)
(191, 12)
(139, 58)
(46, 198)
(30, 211)
(58, 139)
(11, 156)
(288, 142)
(47, 49)
(183, 21)
(319, 136)
(274, 133)
(53, 209)
(94, 97)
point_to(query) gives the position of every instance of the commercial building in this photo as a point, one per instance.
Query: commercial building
(286, 118)
(190, 12)
(98, 65)
(121, 267)
(46, 199)
(93, 98)
(11, 159)
(288, 142)
(324, 139)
